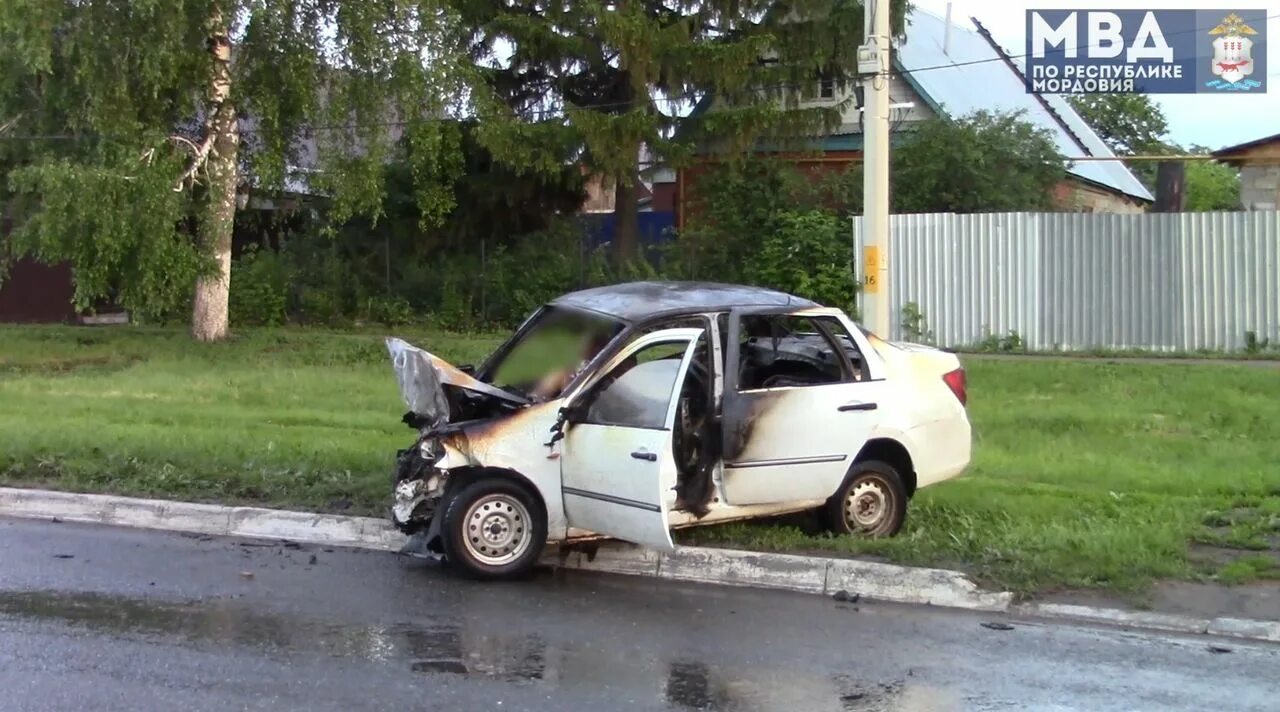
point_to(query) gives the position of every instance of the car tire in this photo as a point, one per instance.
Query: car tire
(493, 528)
(872, 501)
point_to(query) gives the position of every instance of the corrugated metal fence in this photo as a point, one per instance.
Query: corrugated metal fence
(1171, 281)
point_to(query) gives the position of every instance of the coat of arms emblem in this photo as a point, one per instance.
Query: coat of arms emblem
(1232, 48)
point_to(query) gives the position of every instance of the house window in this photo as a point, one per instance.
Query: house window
(826, 85)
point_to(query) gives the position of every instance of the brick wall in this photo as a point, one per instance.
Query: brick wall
(1072, 196)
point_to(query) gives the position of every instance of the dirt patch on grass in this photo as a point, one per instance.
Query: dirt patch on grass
(1211, 557)
(1240, 544)
(1239, 572)
(63, 365)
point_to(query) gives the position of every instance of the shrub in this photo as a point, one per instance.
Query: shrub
(1254, 345)
(259, 288)
(1010, 342)
(389, 310)
(914, 326)
(808, 255)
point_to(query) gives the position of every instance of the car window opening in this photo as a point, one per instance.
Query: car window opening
(637, 393)
(785, 351)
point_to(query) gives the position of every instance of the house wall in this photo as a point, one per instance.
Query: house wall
(1259, 174)
(664, 197)
(36, 292)
(600, 195)
(1073, 196)
(1260, 187)
(900, 92)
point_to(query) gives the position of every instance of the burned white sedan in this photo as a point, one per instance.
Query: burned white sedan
(630, 410)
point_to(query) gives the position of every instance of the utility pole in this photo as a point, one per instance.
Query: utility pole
(873, 65)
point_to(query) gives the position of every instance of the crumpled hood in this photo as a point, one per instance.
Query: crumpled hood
(422, 376)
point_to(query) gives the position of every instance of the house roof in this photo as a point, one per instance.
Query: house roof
(1239, 148)
(973, 73)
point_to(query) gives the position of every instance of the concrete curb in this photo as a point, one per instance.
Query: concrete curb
(1243, 628)
(217, 520)
(808, 574)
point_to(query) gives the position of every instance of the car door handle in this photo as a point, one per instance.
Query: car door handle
(643, 455)
(857, 405)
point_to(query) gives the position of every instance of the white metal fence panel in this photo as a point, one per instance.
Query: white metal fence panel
(1171, 281)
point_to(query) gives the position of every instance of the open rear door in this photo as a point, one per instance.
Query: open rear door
(617, 466)
(796, 408)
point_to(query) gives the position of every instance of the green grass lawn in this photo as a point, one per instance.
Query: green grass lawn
(281, 417)
(1085, 474)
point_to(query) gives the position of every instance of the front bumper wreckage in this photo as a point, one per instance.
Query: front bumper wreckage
(436, 393)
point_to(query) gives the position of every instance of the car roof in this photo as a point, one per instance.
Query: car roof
(635, 301)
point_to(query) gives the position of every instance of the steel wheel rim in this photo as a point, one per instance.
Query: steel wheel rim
(867, 505)
(496, 529)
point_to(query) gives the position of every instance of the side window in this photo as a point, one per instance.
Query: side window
(846, 342)
(786, 351)
(637, 392)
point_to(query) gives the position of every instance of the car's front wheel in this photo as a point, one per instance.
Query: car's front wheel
(493, 528)
(871, 502)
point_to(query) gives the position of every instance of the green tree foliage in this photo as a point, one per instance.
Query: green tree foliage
(1132, 124)
(808, 255)
(985, 162)
(1128, 123)
(495, 201)
(603, 79)
(733, 206)
(504, 245)
(131, 128)
(765, 221)
(1210, 185)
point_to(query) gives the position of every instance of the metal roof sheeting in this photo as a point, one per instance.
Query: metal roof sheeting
(984, 81)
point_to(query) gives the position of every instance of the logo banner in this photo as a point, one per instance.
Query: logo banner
(1146, 51)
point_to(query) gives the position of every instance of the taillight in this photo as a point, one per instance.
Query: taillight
(956, 382)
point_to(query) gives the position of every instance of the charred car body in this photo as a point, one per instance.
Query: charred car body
(692, 403)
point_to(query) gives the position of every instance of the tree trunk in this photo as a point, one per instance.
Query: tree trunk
(213, 291)
(626, 222)
(626, 228)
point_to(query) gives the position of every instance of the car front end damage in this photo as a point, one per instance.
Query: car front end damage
(419, 485)
(444, 404)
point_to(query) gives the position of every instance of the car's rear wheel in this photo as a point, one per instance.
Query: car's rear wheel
(493, 528)
(871, 502)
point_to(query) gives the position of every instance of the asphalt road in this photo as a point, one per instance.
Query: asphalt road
(99, 618)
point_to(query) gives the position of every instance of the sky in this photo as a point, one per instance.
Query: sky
(1203, 119)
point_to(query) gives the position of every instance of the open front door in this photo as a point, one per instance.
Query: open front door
(617, 466)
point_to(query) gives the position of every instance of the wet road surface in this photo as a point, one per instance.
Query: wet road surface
(101, 618)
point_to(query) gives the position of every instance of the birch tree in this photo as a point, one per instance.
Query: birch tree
(129, 129)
